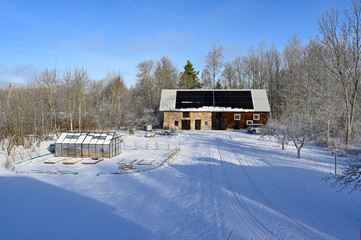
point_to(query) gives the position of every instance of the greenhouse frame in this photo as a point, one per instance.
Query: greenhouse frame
(88, 144)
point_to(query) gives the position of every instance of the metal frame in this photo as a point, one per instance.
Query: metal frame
(88, 144)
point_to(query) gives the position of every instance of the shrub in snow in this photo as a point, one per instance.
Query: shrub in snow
(276, 131)
(295, 128)
(300, 135)
(350, 175)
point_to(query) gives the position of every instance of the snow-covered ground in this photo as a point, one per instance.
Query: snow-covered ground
(220, 182)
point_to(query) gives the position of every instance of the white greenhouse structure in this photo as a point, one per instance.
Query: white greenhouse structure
(88, 144)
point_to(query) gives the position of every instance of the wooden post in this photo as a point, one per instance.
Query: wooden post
(336, 153)
(31, 150)
(39, 150)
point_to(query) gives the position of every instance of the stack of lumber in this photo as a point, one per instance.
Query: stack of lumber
(73, 161)
(92, 162)
(55, 160)
(147, 162)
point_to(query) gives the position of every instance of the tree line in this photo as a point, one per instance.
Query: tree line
(316, 82)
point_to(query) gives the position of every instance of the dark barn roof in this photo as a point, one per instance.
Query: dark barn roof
(233, 100)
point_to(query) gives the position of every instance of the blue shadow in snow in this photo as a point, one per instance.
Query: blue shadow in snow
(31, 209)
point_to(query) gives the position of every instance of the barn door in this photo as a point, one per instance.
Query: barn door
(186, 124)
(236, 124)
(223, 124)
(219, 123)
(198, 124)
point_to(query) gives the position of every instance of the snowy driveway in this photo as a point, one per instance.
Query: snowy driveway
(222, 181)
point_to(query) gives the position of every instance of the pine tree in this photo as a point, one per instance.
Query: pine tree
(189, 77)
(218, 85)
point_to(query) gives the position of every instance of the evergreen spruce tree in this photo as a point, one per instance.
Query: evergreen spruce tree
(189, 77)
(218, 85)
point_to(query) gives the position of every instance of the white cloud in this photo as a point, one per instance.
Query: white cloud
(20, 74)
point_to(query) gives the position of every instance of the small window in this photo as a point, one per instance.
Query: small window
(256, 117)
(175, 123)
(249, 122)
(205, 122)
(186, 114)
(237, 116)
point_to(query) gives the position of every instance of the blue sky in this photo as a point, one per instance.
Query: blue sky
(112, 36)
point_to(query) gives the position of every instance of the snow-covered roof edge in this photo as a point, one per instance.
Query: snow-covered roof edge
(259, 98)
(87, 137)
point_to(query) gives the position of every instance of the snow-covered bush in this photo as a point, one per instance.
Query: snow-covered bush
(350, 175)
(276, 131)
(295, 128)
(300, 134)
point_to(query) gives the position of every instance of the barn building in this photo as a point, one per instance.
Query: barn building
(213, 109)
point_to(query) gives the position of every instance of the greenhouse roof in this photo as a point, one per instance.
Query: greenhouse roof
(87, 137)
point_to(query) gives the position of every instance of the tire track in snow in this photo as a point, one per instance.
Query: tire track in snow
(207, 192)
(291, 224)
(255, 228)
(214, 198)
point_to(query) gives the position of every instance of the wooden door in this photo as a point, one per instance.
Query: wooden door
(198, 124)
(186, 124)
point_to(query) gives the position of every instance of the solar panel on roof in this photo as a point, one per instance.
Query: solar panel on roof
(198, 99)
(233, 99)
(194, 99)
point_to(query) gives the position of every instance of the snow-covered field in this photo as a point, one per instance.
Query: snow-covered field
(221, 182)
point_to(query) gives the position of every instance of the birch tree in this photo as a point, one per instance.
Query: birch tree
(214, 60)
(48, 81)
(340, 40)
(229, 76)
(206, 79)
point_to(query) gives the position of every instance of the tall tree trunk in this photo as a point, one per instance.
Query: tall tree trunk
(42, 116)
(79, 108)
(55, 120)
(328, 131)
(71, 121)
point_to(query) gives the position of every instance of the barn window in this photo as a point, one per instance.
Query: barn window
(175, 123)
(237, 116)
(249, 122)
(205, 122)
(256, 116)
(186, 114)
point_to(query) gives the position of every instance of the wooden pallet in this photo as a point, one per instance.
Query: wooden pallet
(55, 162)
(127, 167)
(92, 162)
(123, 163)
(141, 162)
(43, 160)
(71, 163)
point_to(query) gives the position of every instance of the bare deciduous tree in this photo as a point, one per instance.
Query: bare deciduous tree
(206, 79)
(341, 53)
(214, 60)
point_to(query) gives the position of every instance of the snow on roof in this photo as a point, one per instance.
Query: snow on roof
(168, 101)
(81, 138)
(108, 139)
(86, 137)
(61, 138)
